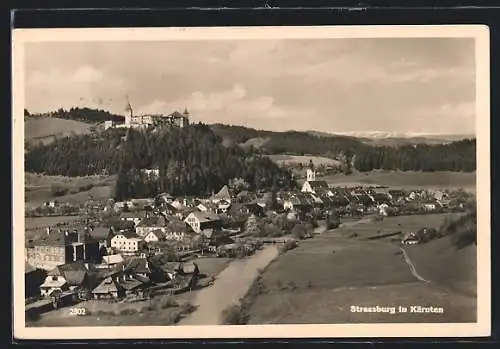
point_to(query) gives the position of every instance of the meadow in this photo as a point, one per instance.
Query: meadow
(73, 190)
(45, 129)
(407, 180)
(302, 159)
(318, 281)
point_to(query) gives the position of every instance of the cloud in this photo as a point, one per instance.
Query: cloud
(86, 74)
(84, 86)
(220, 106)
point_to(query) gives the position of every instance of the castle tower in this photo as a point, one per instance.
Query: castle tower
(311, 174)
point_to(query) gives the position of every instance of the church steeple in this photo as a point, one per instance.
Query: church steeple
(186, 113)
(311, 174)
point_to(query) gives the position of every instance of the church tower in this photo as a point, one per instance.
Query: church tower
(129, 115)
(311, 174)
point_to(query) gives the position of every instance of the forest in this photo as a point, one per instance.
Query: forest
(454, 156)
(88, 115)
(190, 160)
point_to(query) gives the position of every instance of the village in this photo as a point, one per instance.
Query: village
(140, 248)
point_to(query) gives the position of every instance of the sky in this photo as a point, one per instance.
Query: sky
(397, 85)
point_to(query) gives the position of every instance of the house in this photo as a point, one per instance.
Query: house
(223, 206)
(138, 266)
(224, 194)
(178, 230)
(133, 216)
(430, 206)
(123, 206)
(66, 278)
(127, 242)
(112, 260)
(382, 209)
(203, 220)
(155, 236)
(109, 288)
(53, 283)
(58, 247)
(150, 223)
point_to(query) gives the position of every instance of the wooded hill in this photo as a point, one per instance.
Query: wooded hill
(190, 160)
(454, 156)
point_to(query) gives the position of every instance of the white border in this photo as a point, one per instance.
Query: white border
(482, 328)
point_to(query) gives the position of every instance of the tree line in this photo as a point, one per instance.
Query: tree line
(88, 115)
(353, 153)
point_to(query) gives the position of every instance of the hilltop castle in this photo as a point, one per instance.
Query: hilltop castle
(145, 120)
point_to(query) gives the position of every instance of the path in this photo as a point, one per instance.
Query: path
(229, 287)
(412, 266)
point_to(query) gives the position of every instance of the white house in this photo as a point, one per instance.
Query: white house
(53, 283)
(382, 209)
(202, 220)
(151, 223)
(126, 242)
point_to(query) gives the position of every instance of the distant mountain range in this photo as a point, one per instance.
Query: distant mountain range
(381, 138)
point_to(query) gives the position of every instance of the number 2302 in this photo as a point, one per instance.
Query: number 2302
(77, 311)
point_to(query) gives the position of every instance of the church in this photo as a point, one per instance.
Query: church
(313, 186)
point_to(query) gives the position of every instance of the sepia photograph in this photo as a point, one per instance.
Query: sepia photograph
(308, 181)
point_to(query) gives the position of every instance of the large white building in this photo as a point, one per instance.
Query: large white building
(145, 120)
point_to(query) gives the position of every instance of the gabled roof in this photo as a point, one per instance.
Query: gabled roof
(100, 233)
(158, 233)
(153, 221)
(75, 277)
(138, 265)
(205, 216)
(318, 184)
(178, 227)
(107, 285)
(224, 193)
(112, 259)
(128, 234)
(53, 283)
(133, 214)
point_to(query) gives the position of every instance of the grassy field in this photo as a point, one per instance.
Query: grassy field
(297, 159)
(101, 313)
(35, 226)
(407, 180)
(44, 129)
(40, 188)
(319, 281)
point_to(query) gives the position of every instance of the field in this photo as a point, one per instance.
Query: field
(318, 281)
(74, 190)
(408, 180)
(35, 226)
(297, 159)
(44, 129)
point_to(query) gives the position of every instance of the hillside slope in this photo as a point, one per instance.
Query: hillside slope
(44, 129)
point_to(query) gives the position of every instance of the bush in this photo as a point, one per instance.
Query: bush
(287, 246)
(299, 231)
(234, 315)
(130, 311)
(168, 302)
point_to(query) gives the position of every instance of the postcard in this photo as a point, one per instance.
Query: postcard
(251, 182)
